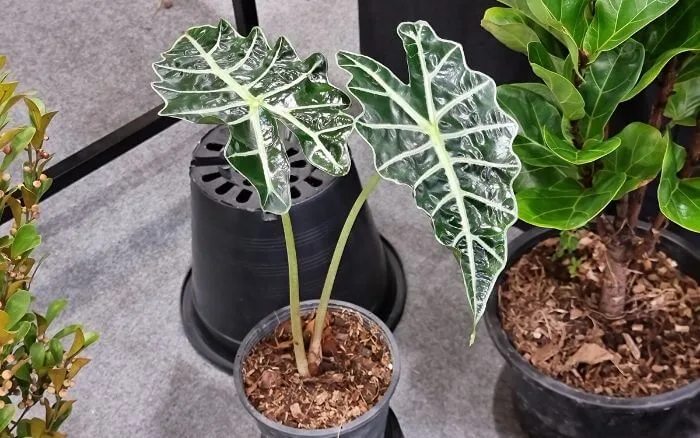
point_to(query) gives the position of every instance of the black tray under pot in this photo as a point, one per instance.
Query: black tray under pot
(239, 262)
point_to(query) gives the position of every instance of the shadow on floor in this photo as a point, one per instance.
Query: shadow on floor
(504, 419)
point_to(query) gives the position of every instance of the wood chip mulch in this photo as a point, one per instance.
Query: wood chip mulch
(354, 375)
(551, 318)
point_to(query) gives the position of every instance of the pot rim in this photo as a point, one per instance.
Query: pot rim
(518, 248)
(281, 316)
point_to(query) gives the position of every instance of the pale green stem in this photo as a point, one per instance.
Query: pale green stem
(315, 346)
(294, 311)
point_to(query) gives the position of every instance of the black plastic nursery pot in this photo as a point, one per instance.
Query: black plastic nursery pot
(547, 408)
(239, 269)
(375, 423)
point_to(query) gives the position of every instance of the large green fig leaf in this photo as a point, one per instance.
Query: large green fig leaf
(214, 75)
(542, 176)
(444, 136)
(535, 115)
(675, 32)
(606, 82)
(511, 27)
(615, 21)
(568, 205)
(679, 199)
(544, 65)
(592, 149)
(639, 156)
(683, 106)
(566, 19)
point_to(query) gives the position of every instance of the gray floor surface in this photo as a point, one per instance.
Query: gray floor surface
(119, 239)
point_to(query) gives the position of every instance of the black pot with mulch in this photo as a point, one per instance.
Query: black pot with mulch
(577, 374)
(239, 264)
(350, 396)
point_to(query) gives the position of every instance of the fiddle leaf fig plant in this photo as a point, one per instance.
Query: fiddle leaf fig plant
(575, 162)
(443, 135)
(213, 75)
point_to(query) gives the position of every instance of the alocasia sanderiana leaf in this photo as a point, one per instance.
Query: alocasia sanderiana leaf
(606, 82)
(545, 66)
(214, 75)
(639, 156)
(444, 136)
(679, 199)
(675, 32)
(615, 21)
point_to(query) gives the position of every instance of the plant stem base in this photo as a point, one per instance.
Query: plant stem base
(221, 354)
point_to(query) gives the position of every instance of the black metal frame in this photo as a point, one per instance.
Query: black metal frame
(127, 137)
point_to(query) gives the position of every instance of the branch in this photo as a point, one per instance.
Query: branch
(657, 120)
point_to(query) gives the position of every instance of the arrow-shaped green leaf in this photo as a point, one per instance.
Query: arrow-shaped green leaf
(615, 21)
(568, 205)
(444, 136)
(214, 75)
(679, 199)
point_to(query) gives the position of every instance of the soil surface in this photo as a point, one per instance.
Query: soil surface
(548, 307)
(354, 374)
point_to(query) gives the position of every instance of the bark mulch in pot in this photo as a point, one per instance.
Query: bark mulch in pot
(547, 305)
(354, 374)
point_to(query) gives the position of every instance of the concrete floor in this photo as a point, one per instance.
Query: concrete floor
(119, 239)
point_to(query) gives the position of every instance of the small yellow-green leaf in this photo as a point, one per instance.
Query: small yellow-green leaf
(4, 320)
(55, 308)
(37, 427)
(67, 330)
(38, 354)
(78, 343)
(76, 365)
(26, 239)
(91, 338)
(7, 413)
(15, 207)
(57, 376)
(18, 306)
(56, 349)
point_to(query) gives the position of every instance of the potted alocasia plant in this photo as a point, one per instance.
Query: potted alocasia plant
(37, 371)
(328, 368)
(600, 324)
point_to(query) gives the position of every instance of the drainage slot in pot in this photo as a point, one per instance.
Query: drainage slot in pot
(211, 176)
(299, 164)
(313, 182)
(295, 192)
(243, 196)
(224, 188)
(216, 147)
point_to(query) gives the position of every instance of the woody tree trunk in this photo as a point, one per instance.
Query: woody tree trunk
(621, 240)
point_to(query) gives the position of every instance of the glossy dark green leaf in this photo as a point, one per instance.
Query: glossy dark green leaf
(592, 149)
(18, 144)
(26, 239)
(690, 68)
(566, 19)
(639, 156)
(535, 87)
(568, 205)
(214, 75)
(444, 136)
(675, 32)
(532, 111)
(537, 176)
(615, 21)
(679, 199)
(21, 330)
(511, 27)
(7, 413)
(17, 306)
(606, 82)
(683, 106)
(544, 65)
(536, 154)
(56, 349)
